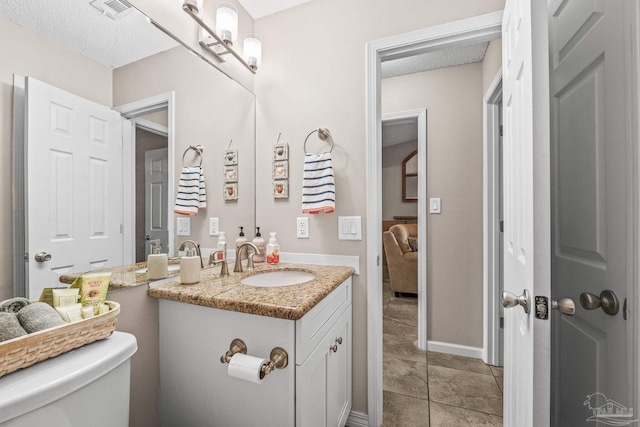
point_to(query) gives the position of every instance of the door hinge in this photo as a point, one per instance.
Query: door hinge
(502, 226)
(121, 228)
(624, 309)
(501, 322)
(378, 260)
(501, 130)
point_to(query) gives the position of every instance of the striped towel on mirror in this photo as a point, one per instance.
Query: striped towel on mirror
(318, 185)
(192, 195)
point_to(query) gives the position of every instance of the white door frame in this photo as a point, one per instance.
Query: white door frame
(421, 116)
(132, 111)
(472, 30)
(491, 351)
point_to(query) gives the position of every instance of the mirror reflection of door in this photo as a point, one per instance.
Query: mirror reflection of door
(410, 178)
(151, 184)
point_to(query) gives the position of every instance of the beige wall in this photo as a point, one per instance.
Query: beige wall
(453, 100)
(392, 204)
(28, 54)
(491, 64)
(313, 74)
(210, 110)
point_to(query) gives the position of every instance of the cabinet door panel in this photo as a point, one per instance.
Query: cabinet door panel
(311, 389)
(339, 372)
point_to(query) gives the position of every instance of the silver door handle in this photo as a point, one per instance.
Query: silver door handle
(42, 257)
(607, 300)
(147, 237)
(511, 300)
(565, 306)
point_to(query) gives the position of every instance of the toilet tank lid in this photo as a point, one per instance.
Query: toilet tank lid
(50, 380)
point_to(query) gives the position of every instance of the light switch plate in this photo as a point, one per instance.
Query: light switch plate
(214, 226)
(435, 206)
(349, 228)
(302, 227)
(184, 226)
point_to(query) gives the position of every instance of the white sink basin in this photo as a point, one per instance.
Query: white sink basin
(171, 267)
(278, 278)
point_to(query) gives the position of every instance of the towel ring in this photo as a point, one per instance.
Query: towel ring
(323, 134)
(198, 149)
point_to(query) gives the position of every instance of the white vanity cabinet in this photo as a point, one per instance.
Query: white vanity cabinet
(314, 390)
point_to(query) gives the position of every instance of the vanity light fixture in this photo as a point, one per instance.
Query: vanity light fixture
(221, 43)
(194, 5)
(227, 23)
(252, 51)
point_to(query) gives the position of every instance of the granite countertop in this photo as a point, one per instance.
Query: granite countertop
(227, 293)
(126, 276)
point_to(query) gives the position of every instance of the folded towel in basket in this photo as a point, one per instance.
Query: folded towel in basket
(10, 327)
(192, 195)
(39, 316)
(14, 305)
(318, 185)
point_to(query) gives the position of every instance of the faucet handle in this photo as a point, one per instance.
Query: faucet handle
(224, 268)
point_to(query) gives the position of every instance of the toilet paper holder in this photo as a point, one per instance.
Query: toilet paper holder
(278, 359)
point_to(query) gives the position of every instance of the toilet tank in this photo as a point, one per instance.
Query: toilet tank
(86, 386)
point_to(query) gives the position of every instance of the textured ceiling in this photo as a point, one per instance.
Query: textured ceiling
(399, 131)
(80, 27)
(259, 8)
(434, 60)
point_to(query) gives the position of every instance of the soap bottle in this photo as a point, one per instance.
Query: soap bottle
(190, 268)
(222, 246)
(157, 262)
(240, 240)
(260, 243)
(273, 250)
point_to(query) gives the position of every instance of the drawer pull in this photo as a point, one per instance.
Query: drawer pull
(334, 348)
(339, 340)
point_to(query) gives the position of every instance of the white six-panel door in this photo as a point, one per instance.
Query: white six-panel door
(526, 210)
(74, 183)
(156, 203)
(591, 178)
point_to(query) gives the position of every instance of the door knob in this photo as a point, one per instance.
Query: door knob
(511, 300)
(607, 300)
(42, 257)
(565, 306)
(147, 237)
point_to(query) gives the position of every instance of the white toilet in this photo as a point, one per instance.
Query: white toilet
(88, 386)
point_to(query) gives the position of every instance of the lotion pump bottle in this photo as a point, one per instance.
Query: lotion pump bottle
(273, 250)
(222, 246)
(260, 243)
(157, 263)
(240, 240)
(190, 268)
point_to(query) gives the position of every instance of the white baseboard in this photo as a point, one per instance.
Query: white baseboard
(357, 419)
(455, 349)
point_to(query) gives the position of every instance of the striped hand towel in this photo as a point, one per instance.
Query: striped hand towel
(318, 185)
(192, 195)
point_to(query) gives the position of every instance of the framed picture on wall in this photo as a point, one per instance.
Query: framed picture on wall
(280, 169)
(231, 191)
(231, 173)
(231, 157)
(281, 151)
(281, 189)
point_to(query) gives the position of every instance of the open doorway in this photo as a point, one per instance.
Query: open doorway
(474, 30)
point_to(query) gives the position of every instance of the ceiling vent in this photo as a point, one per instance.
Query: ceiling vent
(114, 9)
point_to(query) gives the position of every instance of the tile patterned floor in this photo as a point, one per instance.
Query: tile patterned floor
(432, 389)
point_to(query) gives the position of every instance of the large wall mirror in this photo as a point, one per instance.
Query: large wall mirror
(172, 99)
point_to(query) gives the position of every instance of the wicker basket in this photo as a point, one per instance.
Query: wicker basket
(24, 351)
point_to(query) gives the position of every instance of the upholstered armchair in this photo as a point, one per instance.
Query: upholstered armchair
(402, 258)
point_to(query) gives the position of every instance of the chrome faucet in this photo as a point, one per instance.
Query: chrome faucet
(237, 268)
(224, 269)
(196, 247)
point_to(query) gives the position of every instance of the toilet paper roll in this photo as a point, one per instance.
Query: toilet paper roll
(246, 367)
